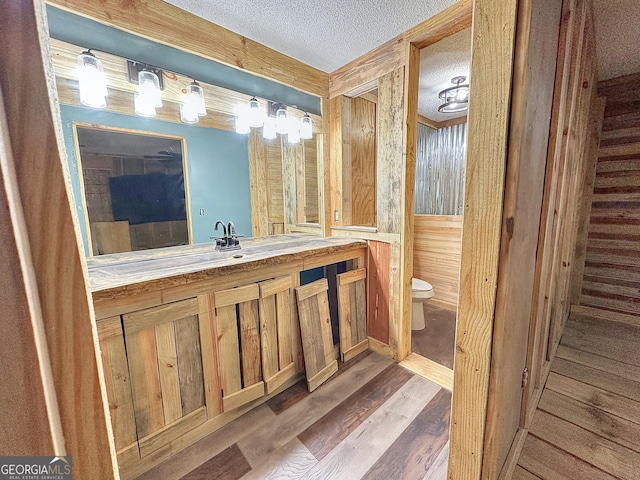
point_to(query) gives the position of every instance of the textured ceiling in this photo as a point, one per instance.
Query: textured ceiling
(439, 63)
(320, 33)
(617, 24)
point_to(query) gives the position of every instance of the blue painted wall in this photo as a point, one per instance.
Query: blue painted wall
(217, 161)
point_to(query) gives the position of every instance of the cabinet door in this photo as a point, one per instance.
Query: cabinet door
(116, 376)
(317, 337)
(276, 332)
(352, 313)
(165, 366)
(239, 361)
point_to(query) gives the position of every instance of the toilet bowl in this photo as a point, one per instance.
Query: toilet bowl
(421, 291)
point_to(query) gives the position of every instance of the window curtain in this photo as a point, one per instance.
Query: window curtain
(440, 165)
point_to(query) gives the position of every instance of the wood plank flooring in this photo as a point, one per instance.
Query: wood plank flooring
(372, 420)
(437, 340)
(587, 425)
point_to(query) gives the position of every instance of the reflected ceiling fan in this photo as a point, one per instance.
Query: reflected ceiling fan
(166, 156)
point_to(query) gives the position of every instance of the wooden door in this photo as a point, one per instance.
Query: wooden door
(352, 313)
(276, 332)
(239, 361)
(317, 337)
(118, 386)
(165, 365)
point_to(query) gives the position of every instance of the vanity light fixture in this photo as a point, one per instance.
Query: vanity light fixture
(192, 105)
(92, 82)
(276, 121)
(455, 99)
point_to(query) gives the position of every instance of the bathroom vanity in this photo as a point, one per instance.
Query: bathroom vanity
(192, 338)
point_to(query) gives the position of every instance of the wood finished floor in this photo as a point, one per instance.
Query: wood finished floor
(372, 420)
(437, 340)
(587, 425)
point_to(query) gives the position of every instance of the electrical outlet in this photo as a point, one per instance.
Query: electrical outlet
(336, 215)
(202, 212)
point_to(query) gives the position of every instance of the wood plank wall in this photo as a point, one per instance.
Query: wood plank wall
(516, 393)
(436, 256)
(52, 237)
(611, 279)
(533, 87)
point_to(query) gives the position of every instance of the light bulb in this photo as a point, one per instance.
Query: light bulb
(269, 129)
(92, 82)
(242, 125)
(306, 129)
(149, 87)
(256, 115)
(192, 104)
(282, 124)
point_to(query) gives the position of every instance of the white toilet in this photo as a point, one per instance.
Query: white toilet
(421, 291)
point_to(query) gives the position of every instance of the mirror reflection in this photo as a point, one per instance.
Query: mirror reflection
(134, 190)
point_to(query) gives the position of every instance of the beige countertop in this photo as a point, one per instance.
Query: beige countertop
(201, 261)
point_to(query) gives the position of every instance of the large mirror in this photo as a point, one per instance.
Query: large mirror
(134, 189)
(264, 185)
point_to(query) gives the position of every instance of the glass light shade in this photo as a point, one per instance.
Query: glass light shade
(92, 82)
(144, 106)
(269, 129)
(293, 134)
(188, 114)
(242, 125)
(306, 128)
(282, 124)
(256, 115)
(195, 96)
(149, 87)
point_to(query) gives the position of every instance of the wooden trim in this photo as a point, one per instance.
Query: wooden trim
(446, 23)
(272, 384)
(320, 377)
(163, 23)
(596, 118)
(363, 70)
(379, 347)
(34, 130)
(443, 124)
(355, 350)
(172, 431)
(352, 276)
(427, 121)
(453, 121)
(312, 289)
(491, 70)
(243, 396)
(514, 455)
(237, 295)
(429, 369)
(150, 317)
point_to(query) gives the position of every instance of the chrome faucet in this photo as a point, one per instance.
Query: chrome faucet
(230, 240)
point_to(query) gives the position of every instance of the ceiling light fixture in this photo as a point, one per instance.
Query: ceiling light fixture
(92, 82)
(455, 99)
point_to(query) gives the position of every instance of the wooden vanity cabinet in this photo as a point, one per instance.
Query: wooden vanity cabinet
(170, 368)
